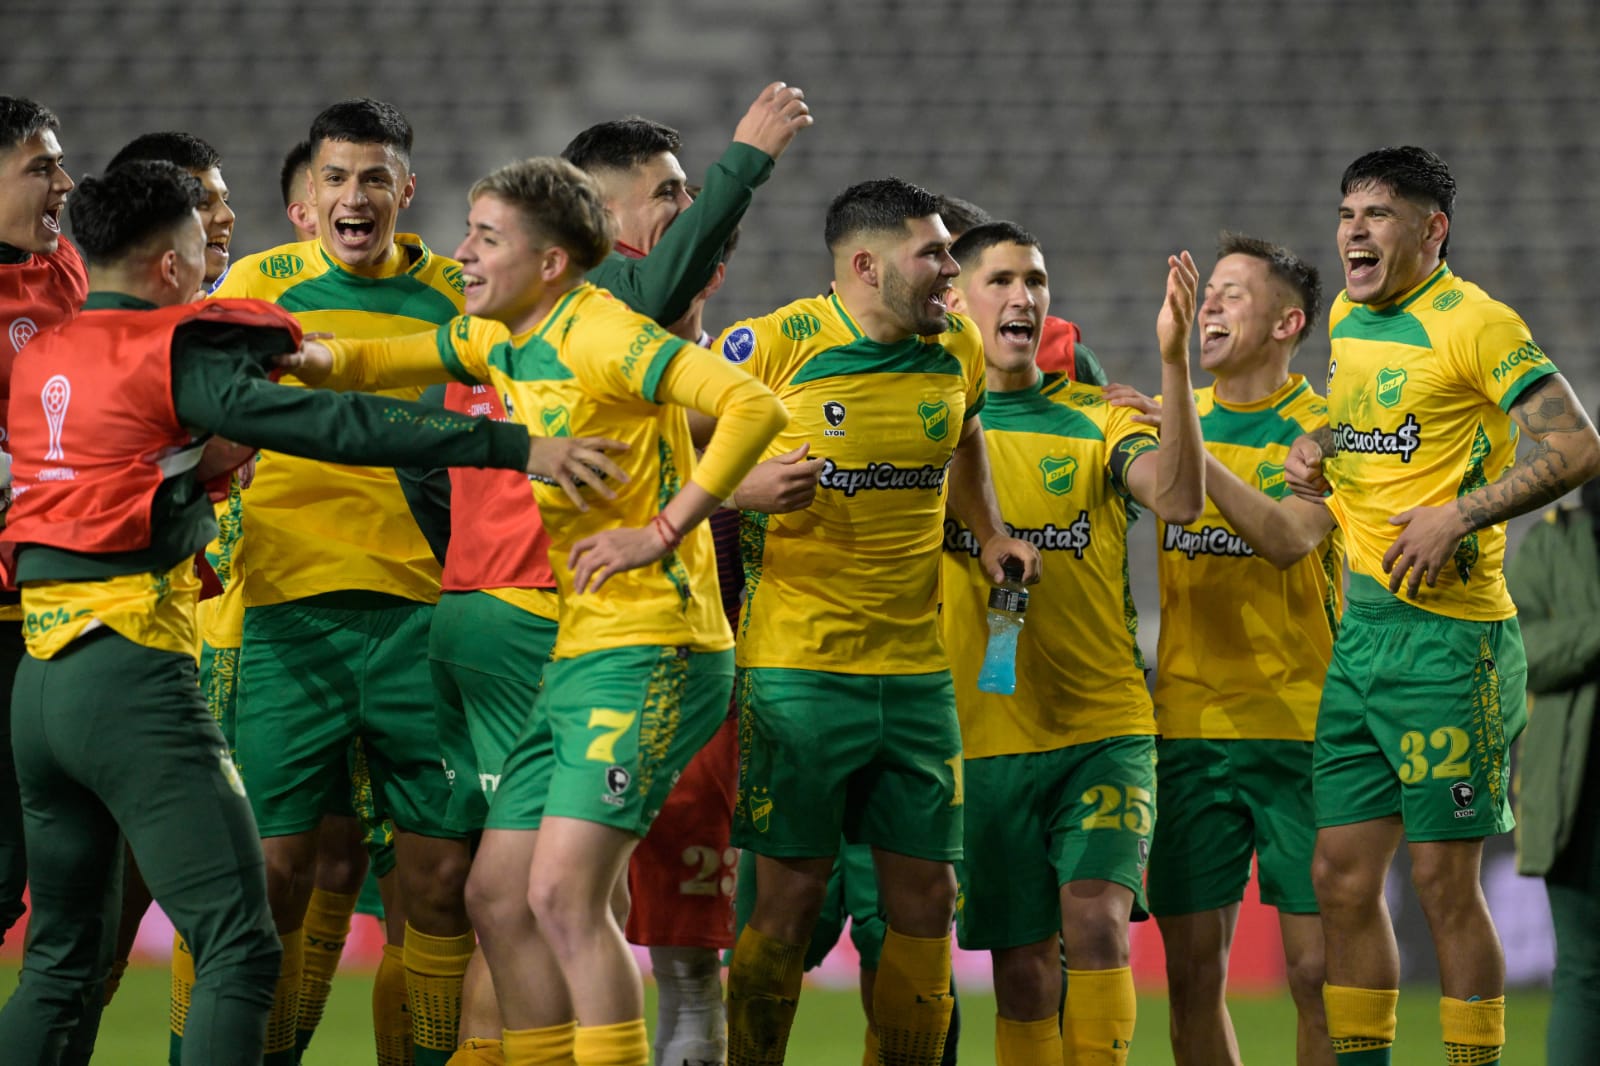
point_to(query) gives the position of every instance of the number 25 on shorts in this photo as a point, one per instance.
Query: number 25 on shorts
(1414, 761)
(1113, 810)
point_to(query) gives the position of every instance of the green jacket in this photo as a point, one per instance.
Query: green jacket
(1555, 580)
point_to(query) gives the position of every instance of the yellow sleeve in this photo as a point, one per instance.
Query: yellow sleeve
(748, 415)
(618, 353)
(1126, 440)
(456, 351)
(1499, 358)
(758, 347)
(235, 284)
(966, 345)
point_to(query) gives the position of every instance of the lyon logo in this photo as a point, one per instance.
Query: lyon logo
(22, 331)
(56, 395)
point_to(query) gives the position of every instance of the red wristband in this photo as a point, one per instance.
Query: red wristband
(666, 531)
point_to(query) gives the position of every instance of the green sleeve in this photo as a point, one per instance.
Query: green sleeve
(1086, 366)
(1562, 643)
(219, 385)
(427, 491)
(664, 283)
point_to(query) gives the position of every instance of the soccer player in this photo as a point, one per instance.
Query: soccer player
(110, 511)
(847, 715)
(42, 283)
(340, 586)
(1250, 603)
(642, 666)
(1060, 776)
(1430, 385)
(295, 183)
(204, 163)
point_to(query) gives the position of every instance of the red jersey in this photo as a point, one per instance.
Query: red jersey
(1058, 344)
(35, 296)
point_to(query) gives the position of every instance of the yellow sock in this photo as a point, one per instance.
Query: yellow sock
(1474, 1030)
(1097, 1026)
(1361, 1022)
(280, 1045)
(763, 991)
(911, 1001)
(326, 926)
(551, 1046)
(480, 1051)
(621, 1044)
(182, 987)
(1036, 1043)
(435, 966)
(391, 1021)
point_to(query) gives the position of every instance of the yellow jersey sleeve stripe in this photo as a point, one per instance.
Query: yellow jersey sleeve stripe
(1524, 383)
(658, 366)
(444, 339)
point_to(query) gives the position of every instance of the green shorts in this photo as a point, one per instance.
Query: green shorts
(610, 734)
(1040, 820)
(1221, 802)
(1418, 714)
(484, 692)
(320, 672)
(876, 758)
(852, 895)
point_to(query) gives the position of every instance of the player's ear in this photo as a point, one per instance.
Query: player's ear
(554, 262)
(408, 191)
(1290, 322)
(166, 267)
(864, 265)
(302, 216)
(1436, 230)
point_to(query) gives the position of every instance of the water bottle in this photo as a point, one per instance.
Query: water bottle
(1008, 605)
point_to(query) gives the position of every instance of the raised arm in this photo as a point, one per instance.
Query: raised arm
(1172, 480)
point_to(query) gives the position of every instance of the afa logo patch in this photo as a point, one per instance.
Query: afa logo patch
(282, 265)
(452, 277)
(935, 419)
(739, 345)
(799, 327)
(21, 332)
(1272, 480)
(1391, 381)
(557, 422)
(1446, 300)
(1059, 474)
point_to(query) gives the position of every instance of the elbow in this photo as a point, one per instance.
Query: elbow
(1179, 512)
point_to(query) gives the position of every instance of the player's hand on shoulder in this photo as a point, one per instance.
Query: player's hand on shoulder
(998, 550)
(576, 463)
(780, 485)
(774, 119)
(1119, 395)
(1302, 469)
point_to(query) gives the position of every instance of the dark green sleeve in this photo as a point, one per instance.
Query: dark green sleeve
(1561, 638)
(1086, 366)
(224, 390)
(664, 283)
(427, 491)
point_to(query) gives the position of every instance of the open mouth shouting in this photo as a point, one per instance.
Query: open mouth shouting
(1360, 265)
(353, 231)
(1214, 335)
(1018, 333)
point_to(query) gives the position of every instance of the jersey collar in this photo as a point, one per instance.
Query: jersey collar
(107, 300)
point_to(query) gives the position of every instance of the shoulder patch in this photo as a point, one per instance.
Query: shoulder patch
(281, 265)
(740, 345)
(1446, 300)
(452, 276)
(798, 327)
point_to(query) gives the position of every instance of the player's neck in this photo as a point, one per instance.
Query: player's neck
(875, 321)
(386, 265)
(1019, 380)
(529, 320)
(1252, 385)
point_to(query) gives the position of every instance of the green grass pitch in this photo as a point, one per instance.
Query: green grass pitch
(828, 1030)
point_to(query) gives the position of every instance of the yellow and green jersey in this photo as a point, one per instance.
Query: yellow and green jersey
(221, 617)
(318, 527)
(1417, 398)
(1245, 646)
(591, 368)
(1058, 452)
(851, 583)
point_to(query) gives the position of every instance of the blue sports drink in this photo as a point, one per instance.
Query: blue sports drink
(1008, 606)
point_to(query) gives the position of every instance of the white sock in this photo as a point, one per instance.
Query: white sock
(690, 1027)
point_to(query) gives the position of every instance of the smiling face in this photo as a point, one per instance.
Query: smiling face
(1388, 243)
(914, 276)
(1244, 309)
(33, 190)
(1007, 293)
(502, 266)
(360, 190)
(646, 200)
(217, 218)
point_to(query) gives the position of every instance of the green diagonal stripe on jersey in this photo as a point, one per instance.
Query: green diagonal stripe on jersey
(910, 356)
(535, 359)
(1249, 429)
(403, 296)
(1391, 326)
(1028, 411)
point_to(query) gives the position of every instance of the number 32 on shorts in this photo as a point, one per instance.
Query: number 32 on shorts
(1448, 739)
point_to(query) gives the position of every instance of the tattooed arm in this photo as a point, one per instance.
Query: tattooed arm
(1564, 453)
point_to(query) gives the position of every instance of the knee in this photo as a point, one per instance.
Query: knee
(923, 905)
(787, 908)
(1446, 895)
(1196, 982)
(435, 889)
(495, 908)
(1306, 975)
(565, 912)
(1027, 982)
(289, 877)
(1343, 885)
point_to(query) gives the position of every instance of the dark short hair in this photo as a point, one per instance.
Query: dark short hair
(883, 205)
(961, 215)
(1300, 276)
(21, 118)
(1414, 173)
(183, 150)
(620, 145)
(970, 246)
(298, 159)
(557, 201)
(363, 120)
(113, 215)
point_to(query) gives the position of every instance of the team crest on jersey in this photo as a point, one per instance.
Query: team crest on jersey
(557, 422)
(740, 345)
(1390, 383)
(452, 277)
(1059, 474)
(935, 419)
(799, 327)
(1446, 300)
(21, 332)
(282, 265)
(833, 411)
(1272, 480)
